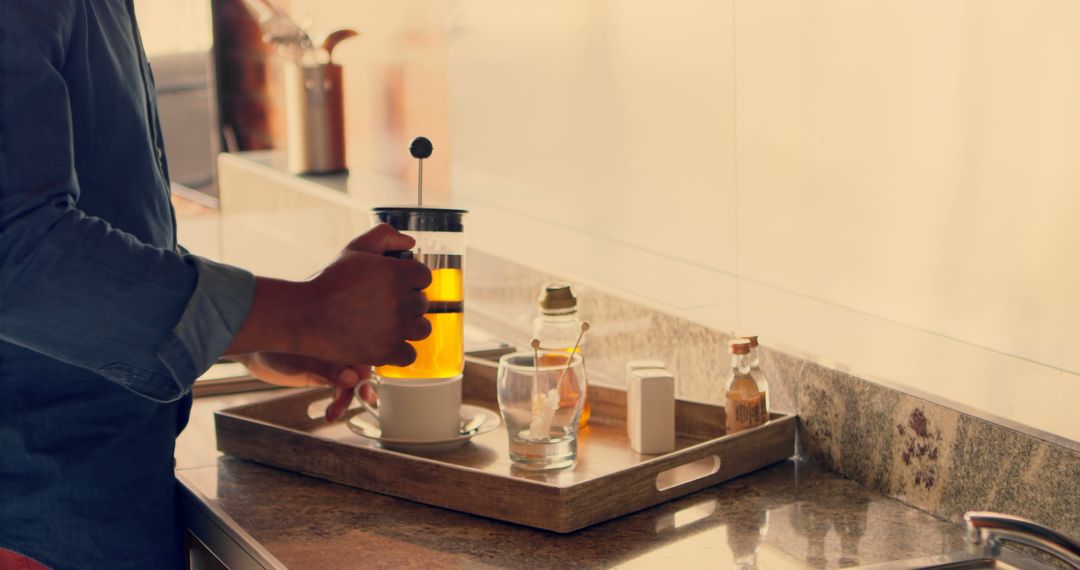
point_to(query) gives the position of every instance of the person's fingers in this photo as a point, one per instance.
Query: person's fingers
(413, 304)
(401, 355)
(417, 329)
(289, 369)
(350, 377)
(315, 380)
(380, 239)
(294, 380)
(339, 404)
(344, 377)
(367, 394)
(345, 382)
(415, 274)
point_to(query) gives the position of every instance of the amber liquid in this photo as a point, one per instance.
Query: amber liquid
(744, 405)
(442, 354)
(586, 411)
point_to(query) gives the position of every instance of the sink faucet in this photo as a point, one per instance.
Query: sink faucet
(984, 532)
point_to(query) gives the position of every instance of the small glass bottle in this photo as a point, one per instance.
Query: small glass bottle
(756, 371)
(744, 401)
(558, 326)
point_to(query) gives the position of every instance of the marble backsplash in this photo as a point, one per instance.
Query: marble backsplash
(929, 455)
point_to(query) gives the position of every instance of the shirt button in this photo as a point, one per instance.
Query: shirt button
(158, 153)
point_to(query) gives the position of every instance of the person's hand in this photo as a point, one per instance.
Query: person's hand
(364, 305)
(303, 371)
(360, 309)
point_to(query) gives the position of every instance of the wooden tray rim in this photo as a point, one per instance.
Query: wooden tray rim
(776, 421)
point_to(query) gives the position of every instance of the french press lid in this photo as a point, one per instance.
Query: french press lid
(417, 219)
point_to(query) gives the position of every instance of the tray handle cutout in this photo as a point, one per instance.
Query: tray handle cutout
(687, 473)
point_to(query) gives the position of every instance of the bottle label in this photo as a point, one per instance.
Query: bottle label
(744, 413)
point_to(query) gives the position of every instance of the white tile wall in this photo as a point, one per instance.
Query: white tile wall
(609, 120)
(926, 176)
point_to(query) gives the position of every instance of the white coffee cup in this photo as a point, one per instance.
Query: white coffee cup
(412, 409)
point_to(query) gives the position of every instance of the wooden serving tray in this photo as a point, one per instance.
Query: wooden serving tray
(608, 481)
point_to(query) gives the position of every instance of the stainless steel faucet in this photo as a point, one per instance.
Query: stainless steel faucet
(984, 532)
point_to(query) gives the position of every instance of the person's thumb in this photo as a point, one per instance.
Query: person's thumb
(380, 239)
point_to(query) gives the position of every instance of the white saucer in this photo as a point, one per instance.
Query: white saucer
(366, 425)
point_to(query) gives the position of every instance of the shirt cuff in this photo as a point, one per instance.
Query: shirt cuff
(218, 306)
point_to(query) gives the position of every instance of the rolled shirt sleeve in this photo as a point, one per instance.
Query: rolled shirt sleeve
(217, 308)
(72, 285)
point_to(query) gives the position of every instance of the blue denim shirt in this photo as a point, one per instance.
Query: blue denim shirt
(104, 322)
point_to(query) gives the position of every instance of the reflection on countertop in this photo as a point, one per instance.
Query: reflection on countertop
(791, 515)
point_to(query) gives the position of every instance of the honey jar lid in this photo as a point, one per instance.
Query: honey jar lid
(739, 346)
(557, 297)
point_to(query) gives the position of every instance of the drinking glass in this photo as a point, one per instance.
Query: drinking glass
(541, 394)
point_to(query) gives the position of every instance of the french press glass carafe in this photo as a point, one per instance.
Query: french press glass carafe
(440, 245)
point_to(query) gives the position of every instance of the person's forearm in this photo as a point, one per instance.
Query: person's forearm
(270, 325)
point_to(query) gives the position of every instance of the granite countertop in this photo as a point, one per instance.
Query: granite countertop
(790, 515)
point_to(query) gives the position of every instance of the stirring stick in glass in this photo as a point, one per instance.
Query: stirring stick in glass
(536, 366)
(570, 360)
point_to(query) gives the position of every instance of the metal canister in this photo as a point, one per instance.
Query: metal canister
(314, 118)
